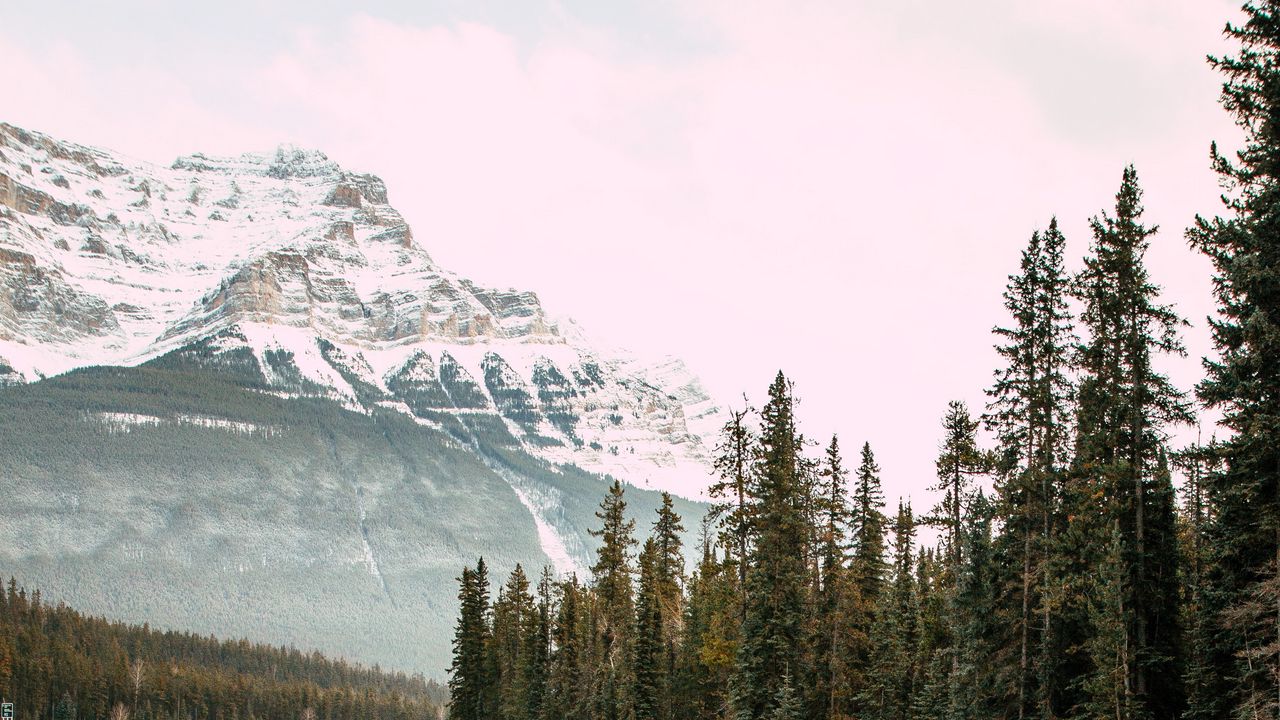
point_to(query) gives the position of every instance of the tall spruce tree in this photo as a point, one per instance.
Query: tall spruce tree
(777, 590)
(513, 620)
(613, 574)
(650, 670)
(469, 677)
(867, 576)
(837, 606)
(564, 698)
(1107, 687)
(891, 676)
(1199, 555)
(709, 644)
(1243, 382)
(936, 660)
(869, 566)
(735, 462)
(973, 688)
(1125, 406)
(669, 578)
(787, 704)
(959, 463)
(1029, 410)
(535, 656)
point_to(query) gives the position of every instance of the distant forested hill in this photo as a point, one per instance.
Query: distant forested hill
(58, 664)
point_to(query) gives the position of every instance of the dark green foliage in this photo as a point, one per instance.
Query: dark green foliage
(513, 401)
(841, 618)
(1199, 557)
(554, 392)
(513, 623)
(734, 463)
(1125, 404)
(461, 387)
(536, 655)
(565, 697)
(959, 465)
(892, 673)
(615, 617)
(417, 382)
(777, 586)
(868, 522)
(1030, 412)
(973, 686)
(786, 704)
(669, 580)
(57, 663)
(1243, 383)
(649, 658)
(470, 683)
(709, 642)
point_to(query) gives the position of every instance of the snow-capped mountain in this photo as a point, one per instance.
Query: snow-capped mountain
(106, 261)
(238, 396)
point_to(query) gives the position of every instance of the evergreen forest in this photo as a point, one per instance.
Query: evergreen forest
(59, 664)
(1071, 577)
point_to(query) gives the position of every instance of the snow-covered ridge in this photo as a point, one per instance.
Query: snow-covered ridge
(119, 422)
(303, 266)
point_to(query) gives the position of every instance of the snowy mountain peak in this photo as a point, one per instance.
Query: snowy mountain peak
(288, 161)
(304, 267)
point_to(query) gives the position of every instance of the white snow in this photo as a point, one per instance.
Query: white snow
(310, 271)
(552, 543)
(127, 422)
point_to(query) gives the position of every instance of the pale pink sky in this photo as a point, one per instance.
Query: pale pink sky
(836, 189)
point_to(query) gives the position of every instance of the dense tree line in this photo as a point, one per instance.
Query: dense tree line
(57, 664)
(1069, 580)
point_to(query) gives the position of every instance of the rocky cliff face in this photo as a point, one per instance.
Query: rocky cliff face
(306, 268)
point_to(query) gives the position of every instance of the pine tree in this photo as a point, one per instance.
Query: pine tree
(513, 623)
(734, 462)
(669, 576)
(891, 675)
(937, 661)
(786, 704)
(649, 661)
(973, 691)
(868, 527)
(66, 708)
(958, 464)
(1030, 411)
(535, 656)
(1243, 382)
(1199, 555)
(710, 642)
(469, 677)
(564, 696)
(613, 574)
(1108, 692)
(778, 582)
(837, 602)
(1124, 407)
